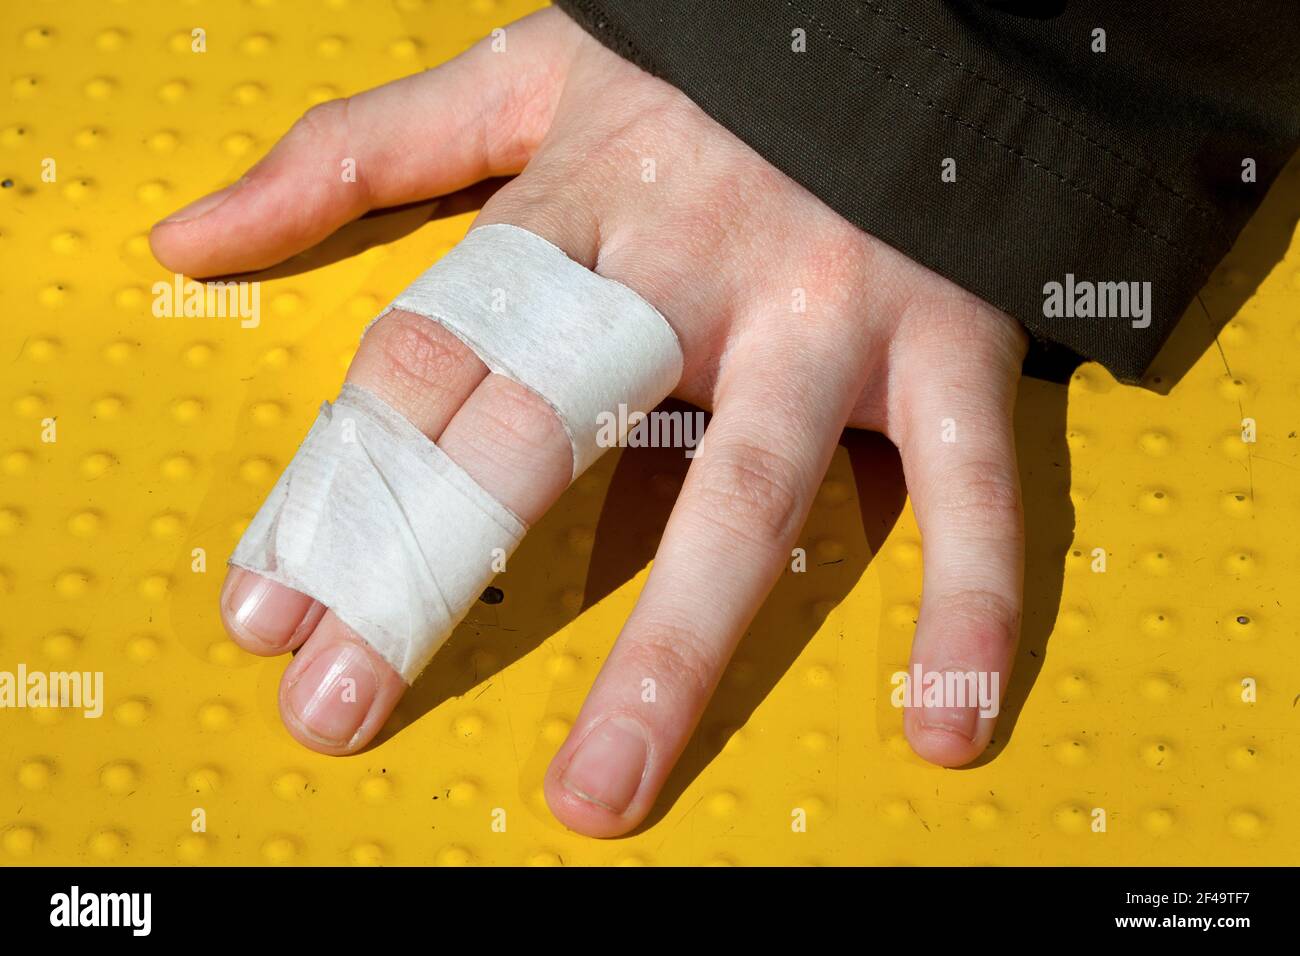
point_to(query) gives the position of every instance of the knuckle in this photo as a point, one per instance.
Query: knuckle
(519, 423)
(987, 620)
(322, 122)
(980, 491)
(666, 652)
(749, 490)
(415, 355)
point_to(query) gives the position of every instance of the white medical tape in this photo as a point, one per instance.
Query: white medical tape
(584, 343)
(373, 520)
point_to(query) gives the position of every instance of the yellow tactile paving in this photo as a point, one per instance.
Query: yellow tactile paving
(169, 431)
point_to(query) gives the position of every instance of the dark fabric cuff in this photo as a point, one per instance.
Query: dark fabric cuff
(1072, 166)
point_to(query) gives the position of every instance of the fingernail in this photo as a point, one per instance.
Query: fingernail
(201, 207)
(267, 612)
(959, 720)
(609, 764)
(333, 695)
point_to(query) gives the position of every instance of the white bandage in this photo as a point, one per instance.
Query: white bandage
(373, 520)
(582, 342)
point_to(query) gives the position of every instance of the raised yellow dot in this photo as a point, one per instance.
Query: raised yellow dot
(555, 729)
(1239, 504)
(192, 848)
(35, 774)
(1159, 623)
(286, 303)
(17, 462)
(133, 712)
(178, 467)
(1072, 752)
(20, 841)
(984, 815)
(1073, 686)
(276, 358)
(73, 583)
(403, 48)
(1158, 822)
(154, 587)
(833, 493)
(257, 44)
(142, 648)
(818, 675)
(204, 780)
(224, 653)
(257, 471)
(166, 525)
(1071, 818)
(110, 40)
(267, 414)
(1241, 626)
(462, 792)
(119, 777)
(53, 296)
(279, 850)
(237, 144)
(366, 854)
(99, 88)
(1157, 688)
(173, 91)
(11, 519)
(108, 407)
(1156, 501)
(39, 38)
(85, 524)
(1240, 564)
(1158, 755)
(89, 137)
(375, 788)
(186, 410)
(1244, 757)
(199, 354)
(246, 94)
(321, 93)
(79, 189)
(330, 46)
(42, 349)
(722, 804)
(66, 243)
(291, 785)
(468, 726)
(120, 352)
(31, 405)
(164, 141)
(1245, 824)
(25, 86)
(60, 646)
(216, 716)
(454, 856)
(561, 666)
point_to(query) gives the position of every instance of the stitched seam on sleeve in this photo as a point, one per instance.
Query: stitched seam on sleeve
(929, 104)
(1147, 173)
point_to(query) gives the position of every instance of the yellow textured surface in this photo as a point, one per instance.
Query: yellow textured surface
(1128, 695)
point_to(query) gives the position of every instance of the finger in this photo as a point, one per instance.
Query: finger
(959, 458)
(780, 407)
(338, 692)
(478, 115)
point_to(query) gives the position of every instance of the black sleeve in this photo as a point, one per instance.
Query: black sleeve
(1076, 157)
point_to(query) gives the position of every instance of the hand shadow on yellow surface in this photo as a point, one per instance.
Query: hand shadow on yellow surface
(1261, 245)
(635, 509)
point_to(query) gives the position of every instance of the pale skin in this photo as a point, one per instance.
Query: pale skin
(718, 243)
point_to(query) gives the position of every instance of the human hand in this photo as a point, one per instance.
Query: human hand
(723, 245)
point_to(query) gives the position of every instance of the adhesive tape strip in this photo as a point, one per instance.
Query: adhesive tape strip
(373, 520)
(584, 343)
